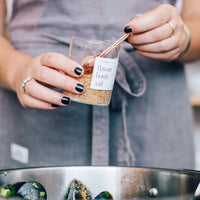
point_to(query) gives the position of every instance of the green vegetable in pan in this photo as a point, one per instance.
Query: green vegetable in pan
(27, 190)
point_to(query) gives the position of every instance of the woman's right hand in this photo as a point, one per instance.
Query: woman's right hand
(47, 71)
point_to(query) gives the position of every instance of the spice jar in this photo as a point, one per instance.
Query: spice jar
(99, 72)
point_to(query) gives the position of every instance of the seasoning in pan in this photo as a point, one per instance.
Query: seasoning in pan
(79, 191)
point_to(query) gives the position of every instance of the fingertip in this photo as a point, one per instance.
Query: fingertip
(79, 71)
(79, 87)
(126, 40)
(74, 68)
(65, 100)
(134, 23)
(54, 105)
(128, 29)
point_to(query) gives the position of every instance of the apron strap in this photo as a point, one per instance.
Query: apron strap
(100, 136)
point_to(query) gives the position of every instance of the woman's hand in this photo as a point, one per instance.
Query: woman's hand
(47, 71)
(158, 34)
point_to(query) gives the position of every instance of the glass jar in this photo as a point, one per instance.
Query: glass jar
(99, 71)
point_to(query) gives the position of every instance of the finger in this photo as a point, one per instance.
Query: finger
(161, 46)
(31, 102)
(136, 16)
(42, 93)
(157, 34)
(61, 62)
(58, 79)
(152, 19)
(167, 56)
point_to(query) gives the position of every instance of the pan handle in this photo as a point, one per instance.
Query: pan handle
(190, 171)
(197, 191)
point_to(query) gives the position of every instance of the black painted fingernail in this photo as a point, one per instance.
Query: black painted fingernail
(57, 90)
(78, 71)
(79, 87)
(135, 49)
(128, 29)
(54, 105)
(65, 100)
(126, 40)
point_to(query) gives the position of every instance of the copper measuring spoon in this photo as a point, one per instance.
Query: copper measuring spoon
(90, 62)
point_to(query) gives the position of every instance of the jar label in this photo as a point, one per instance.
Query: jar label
(104, 72)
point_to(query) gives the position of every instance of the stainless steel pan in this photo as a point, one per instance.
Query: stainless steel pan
(122, 182)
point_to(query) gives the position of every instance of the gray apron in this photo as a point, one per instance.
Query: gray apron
(151, 127)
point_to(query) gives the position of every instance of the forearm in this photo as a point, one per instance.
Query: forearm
(191, 18)
(193, 53)
(11, 63)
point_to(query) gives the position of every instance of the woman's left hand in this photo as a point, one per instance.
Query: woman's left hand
(158, 34)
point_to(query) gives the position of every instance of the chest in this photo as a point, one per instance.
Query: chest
(91, 11)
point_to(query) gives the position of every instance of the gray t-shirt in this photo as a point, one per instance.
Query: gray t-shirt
(153, 130)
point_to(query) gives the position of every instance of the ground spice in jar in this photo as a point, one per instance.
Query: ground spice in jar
(90, 96)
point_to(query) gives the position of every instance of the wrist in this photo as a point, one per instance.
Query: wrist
(187, 32)
(19, 66)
